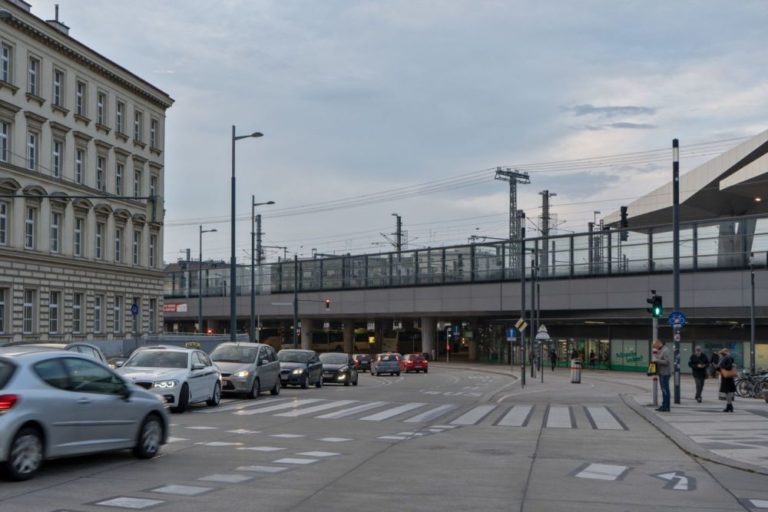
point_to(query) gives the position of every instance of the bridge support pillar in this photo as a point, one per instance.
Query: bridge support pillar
(349, 336)
(306, 333)
(428, 336)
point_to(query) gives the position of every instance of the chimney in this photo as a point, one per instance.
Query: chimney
(58, 25)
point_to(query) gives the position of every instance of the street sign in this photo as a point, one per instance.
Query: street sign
(511, 335)
(134, 309)
(676, 318)
(521, 325)
(542, 335)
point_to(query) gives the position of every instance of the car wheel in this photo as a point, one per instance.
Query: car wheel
(305, 382)
(425, 371)
(216, 396)
(346, 382)
(255, 389)
(398, 374)
(183, 399)
(25, 455)
(150, 438)
(319, 382)
(276, 388)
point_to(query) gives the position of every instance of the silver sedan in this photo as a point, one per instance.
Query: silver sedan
(58, 404)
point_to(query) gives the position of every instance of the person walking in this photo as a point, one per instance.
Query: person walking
(698, 363)
(664, 370)
(553, 358)
(727, 367)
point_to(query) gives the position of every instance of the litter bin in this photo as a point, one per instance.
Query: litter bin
(575, 371)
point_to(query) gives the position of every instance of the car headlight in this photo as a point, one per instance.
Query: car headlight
(242, 374)
(341, 376)
(298, 371)
(166, 384)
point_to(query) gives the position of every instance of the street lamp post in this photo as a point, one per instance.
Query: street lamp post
(233, 259)
(253, 331)
(200, 280)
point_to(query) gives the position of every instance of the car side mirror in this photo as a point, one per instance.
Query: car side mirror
(198, 366)
(118, 364)
(125, 392)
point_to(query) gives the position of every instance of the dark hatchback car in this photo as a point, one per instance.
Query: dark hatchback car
(362, 362)
(300, 368)
(339, 368)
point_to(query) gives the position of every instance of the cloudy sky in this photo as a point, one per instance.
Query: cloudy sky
(371, 107)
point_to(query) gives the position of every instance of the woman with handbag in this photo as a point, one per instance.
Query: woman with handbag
(728, 373)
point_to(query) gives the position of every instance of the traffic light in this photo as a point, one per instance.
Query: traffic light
(624, 224)
(327, 303)
(657, 307)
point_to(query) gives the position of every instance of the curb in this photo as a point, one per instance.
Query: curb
(477, 369)
(684, 442)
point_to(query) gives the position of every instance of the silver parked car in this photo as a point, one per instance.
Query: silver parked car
(59, 403)
(248, 368)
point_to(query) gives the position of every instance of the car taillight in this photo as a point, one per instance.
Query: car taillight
(8, 401)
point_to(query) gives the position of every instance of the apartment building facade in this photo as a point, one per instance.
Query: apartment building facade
(81, 188)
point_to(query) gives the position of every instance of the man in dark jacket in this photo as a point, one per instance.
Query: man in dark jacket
(698, 364)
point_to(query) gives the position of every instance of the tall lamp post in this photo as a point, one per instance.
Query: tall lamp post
(200, 280)
(233, 259)
(253, 333)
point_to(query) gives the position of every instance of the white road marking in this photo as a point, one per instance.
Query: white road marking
(602, 472)
(759, 503)
(352, 410)
(287, 436)
(262, 469)
(132, 503)
(182, 490)
(317, 408)
(239, 406)
(318, 454)
(432, 413)
(444, 426)
(389, 413)
(291, 460)
(559, 417)
(278, 407)
(262, 448)
(516, 416)
(336, 439)
(172, 439)
(243, 431)
(393, 438)
(202, 428)
(219, 443)
(603, 419)
(226, 479)
(474, 416)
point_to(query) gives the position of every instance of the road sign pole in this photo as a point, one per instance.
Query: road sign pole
(656, 376)
(676, 255)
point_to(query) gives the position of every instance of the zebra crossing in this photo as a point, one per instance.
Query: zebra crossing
(552, 416)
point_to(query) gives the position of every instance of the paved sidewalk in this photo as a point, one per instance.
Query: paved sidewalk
(738, 439)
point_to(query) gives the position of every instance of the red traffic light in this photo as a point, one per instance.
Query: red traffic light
(327, 303)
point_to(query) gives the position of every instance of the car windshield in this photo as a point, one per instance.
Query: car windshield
(332, 358)
(234, 354)
(387, 357)
(291, 356)
(6, 370)
(157, 359)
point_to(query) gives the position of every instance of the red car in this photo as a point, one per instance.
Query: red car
(415, 363)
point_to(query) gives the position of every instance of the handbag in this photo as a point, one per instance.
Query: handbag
(729, 373)
(651, 369)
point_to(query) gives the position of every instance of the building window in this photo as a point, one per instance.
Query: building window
(120, 117)
(33, 86)
(101, 106)
(28, 312)
(118, 244)
(5, 133)
(99, 240)
(153, 185)
(78, 242)
(100, 182)
(32, 150)
(80, 92)
(3, 223)
(153, 134)
(119, 179)
(152, 249)
(79, 160)
(152, 315)
(55, 231)
(58, 151)
(53, 312)
(6, 62)
(98, 302)
(3, 295)
(118, 327)
(77, 313)
(138, 126)
(136, 247)
(30, 225)
(58, 86)
(136, 183)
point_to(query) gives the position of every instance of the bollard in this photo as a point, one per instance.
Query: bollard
(575, 371)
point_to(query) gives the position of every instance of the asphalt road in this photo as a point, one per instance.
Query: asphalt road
(453, 439)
